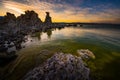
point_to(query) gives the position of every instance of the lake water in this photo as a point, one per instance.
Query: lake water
(103, 42)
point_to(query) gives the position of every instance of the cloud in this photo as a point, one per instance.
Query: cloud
(62, 11)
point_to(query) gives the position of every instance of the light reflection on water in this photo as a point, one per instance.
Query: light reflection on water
(108, 35)
(104, 52)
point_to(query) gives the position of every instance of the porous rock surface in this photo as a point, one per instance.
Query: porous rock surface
(86, 54)
(60, 67)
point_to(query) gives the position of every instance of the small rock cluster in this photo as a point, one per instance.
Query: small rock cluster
(10, 47)
(60, 67)
(86, 54)
(8, 42)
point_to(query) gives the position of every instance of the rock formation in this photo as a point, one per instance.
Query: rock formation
(86, 54)
(14, 28)
(48, 18)
(60, 67)
(25, 22)
(29, 20)
(8, 22)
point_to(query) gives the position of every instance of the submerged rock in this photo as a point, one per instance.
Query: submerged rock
(86, 54)
(60, 67)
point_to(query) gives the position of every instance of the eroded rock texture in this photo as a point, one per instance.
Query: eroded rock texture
(60, 67)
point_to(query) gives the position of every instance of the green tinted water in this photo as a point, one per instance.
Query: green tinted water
(104, 43)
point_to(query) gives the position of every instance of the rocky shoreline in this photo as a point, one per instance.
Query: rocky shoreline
(14, 29)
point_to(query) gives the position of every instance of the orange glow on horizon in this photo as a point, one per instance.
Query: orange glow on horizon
(69, 13)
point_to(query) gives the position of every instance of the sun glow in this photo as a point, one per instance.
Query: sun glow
(60, 12)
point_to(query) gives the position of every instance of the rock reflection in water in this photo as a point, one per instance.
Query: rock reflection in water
(49, 33)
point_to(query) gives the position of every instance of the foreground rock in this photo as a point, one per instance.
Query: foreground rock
(60, 67)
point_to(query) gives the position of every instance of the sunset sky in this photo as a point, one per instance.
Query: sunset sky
(100, 11)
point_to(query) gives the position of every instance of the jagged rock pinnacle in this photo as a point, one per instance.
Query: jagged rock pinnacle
(48, 18)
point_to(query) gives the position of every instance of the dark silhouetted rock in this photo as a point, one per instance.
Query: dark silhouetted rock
(29, 20)
(9, 23)
(48, 18)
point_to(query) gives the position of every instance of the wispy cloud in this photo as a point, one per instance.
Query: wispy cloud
(62, 11)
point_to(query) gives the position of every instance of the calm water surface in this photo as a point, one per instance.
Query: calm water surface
(111, 36)
(104, 43)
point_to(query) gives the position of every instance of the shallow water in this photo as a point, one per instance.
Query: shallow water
(103, 42)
